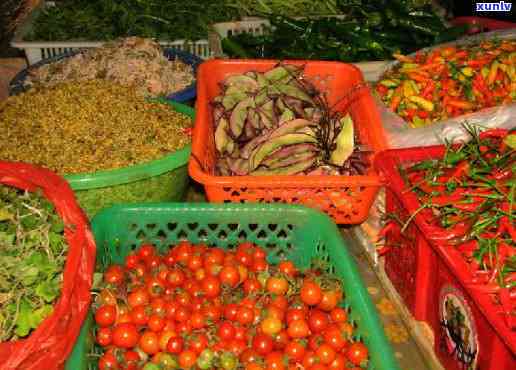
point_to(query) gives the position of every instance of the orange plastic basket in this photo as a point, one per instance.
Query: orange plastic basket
(347, 199)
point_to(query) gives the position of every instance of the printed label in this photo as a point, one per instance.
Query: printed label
(501, 6)
(459, 335)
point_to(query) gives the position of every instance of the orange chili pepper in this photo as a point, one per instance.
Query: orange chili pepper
(418, 76)
(395, 101)
(461, 104)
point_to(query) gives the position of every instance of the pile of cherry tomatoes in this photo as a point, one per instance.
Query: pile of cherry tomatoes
(199, 307)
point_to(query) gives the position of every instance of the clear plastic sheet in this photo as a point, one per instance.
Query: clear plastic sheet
(399, 135)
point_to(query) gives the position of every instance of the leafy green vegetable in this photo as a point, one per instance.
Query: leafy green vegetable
(32, 256)
(367, 30)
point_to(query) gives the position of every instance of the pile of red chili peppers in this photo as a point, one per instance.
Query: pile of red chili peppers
(469, 199)
(450, 81)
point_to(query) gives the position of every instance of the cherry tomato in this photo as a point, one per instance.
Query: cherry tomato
(309, 359)
(197, 320)
(259, 253)
(333, 336)
(198, 343)
(315, 341)
(169, 259)
(251, 285)
(187, 359)
(310, 293)
(279, 301)
(329, 300)
(182, 252)
(294, 314)
(152, 262)
(229, 276)
(182, 314)
(277, 285)
(146, 250)
(164, 338)
(275, 361)
(107, 297)
(138, 297)
(318, 321)
(357, 353)
(104, 336)
(240, 333)
(281, 340)
(339, 314)
(214, 257)
(236, 346)
(230, 311)
(262, 344)
(156, 323)
(326, 353)
(287, 268)
(154, 287)
(298, 329)
(176, 277)
(194, 262)
(131, 260)
(248, 356)
(244, 257)
(295, 351)
(105, 315)
(108, 361)
(149, 342)
(211, 286)
(226, 331)
(318, 366)
(125, 335)
(245, 315)
(259, 265)
(271, 326)
(114, 275)
(212, 313)
(175, 345)
(275, 312)
(339, 363)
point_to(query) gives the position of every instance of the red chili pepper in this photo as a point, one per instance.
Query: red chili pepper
(502, 174)
(505, 225)
(468, 248)
(461, 169)
(494, 133)
(383, 251)
(485, 288)
(389, 226)
(508, 306)
(429, 88)
(456, 231)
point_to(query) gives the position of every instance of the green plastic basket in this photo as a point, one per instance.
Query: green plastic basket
(162, 180)
(285, 231)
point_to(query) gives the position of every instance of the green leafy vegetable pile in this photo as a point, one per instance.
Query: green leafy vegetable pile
(110, 19)
(32, 256)
(367, 30)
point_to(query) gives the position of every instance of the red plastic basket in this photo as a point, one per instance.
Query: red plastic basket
(447, 270)
(347, 199)
(49, 345)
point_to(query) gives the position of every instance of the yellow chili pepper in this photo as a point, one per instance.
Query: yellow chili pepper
(422, 103)
(408, 90)
(390, 83)
(467, 71)
(492, 73)
(484, 71)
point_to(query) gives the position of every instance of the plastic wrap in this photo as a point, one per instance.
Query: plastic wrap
(399, 135)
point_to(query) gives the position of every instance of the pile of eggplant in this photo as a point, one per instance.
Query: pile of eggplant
(277, 123)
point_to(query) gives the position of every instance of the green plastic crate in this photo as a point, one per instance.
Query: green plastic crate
(162, 180)
(285, 231)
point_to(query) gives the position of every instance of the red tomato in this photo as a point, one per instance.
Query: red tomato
(114, 275)
(154, 287)
(259, 253)
(249, 356)
(245, 315)
(262, 344)
(279, 301)
(259, 265)
(287, 268)
(158, 306)
(164, 338)
(309, 359)
(187, 359)
(339, 363)
(281, 340)
(182, 314)
(215, 256)
(271, 326)
(125, 335)
(194, 262)
(310, 293)
(326, 353)
(275, 361)
(333, 336)
(105, 315)
(298, 329)
(251, 285)
(318, 321)
(198, 343)
(244, 257)
(229, 276)
(240, 333)
(182, 252)
(295, 351)
(197, 320)
(107, 297)
(318, 366)
(211, 286)
(277, 285)
(152, 262)
(146, 250)
(149, 343)
(169, 259)
(176, 277)
(138, 297)
(104, 336)
(357, 353)
(236, 346)
(212, 313)
(175, 345)
(315, 341)
(274, 312)
(226, 331)
(139, 315)
(294, 314)
(329, 300)
(156, 323)
(230, 311)
(108, 361)
(132, 260)
(339, 315)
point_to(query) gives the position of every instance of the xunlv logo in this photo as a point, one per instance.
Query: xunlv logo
(502, 6)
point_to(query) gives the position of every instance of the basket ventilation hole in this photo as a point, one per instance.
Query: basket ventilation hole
(140, 235)
(262, 235)
(222, 234)
(172, 226)
(290, 227)
(161, 235)
(242, 235)
(202, 234)
(273, 227)
(233, 227)
(182, 235)
(282, 234)
(212, 227)
(133, 227)
(151, 226)
(253, 227)
(193, 226)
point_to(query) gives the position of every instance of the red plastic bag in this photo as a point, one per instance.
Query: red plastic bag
(50, 344)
